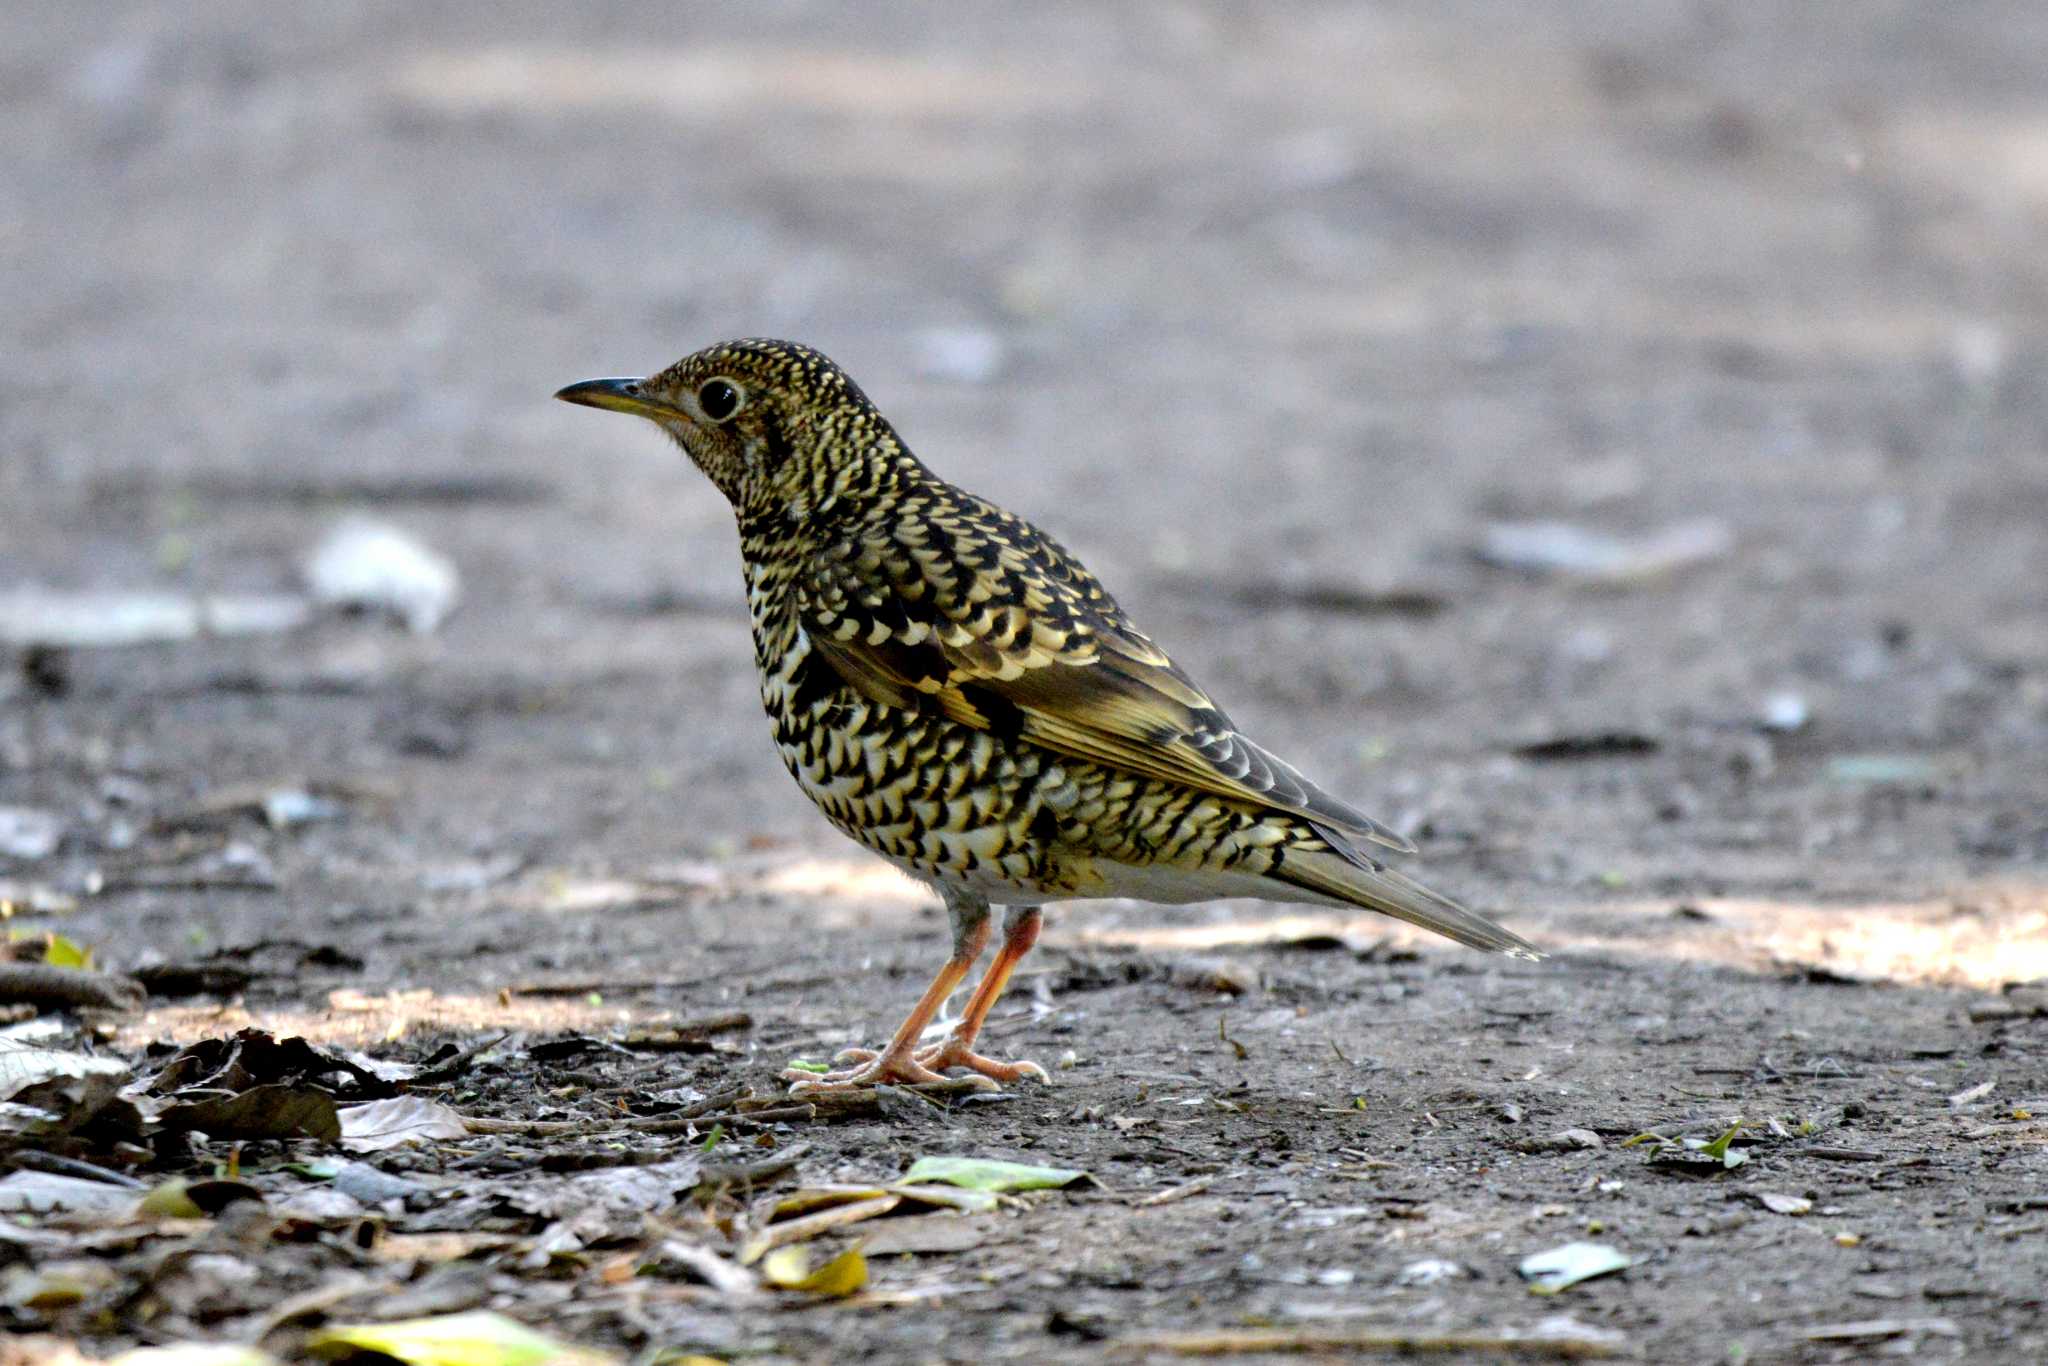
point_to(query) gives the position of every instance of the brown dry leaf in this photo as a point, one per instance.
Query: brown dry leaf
(260, 1112)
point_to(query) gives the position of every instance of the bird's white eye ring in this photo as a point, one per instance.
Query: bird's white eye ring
(719, 399)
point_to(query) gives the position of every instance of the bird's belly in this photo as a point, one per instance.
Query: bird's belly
(941, 801)
(1001, 816)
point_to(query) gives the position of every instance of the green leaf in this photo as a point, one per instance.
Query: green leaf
(479, 1338)
(984, 1174)
(66, 953)
(967, 1201)
(1719, 1148)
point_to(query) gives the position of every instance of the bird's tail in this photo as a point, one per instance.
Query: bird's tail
(1359, 879)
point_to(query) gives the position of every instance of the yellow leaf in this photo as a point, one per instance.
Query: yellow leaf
(171, 1200)
(479, 1338)
(790, 1268)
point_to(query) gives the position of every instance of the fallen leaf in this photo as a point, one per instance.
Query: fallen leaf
(1785, 1204)
(384, 1124)
(260, 1112)
(62, 952)
(811, 1199)
(478, 1338)
(1719, 1150)
(194, 1354)
(23, 1064)
(789, 1268)
(985, 1174)
(33, 1192)
(1560, 1268)
(171, 1200)
(609, 1192)
(947, 1197)
(811, 1225)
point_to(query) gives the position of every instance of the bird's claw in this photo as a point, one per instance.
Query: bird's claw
(876, 1070)
(928, 1064)
(941, 1057)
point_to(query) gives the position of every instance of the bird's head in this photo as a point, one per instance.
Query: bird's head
(776, 426)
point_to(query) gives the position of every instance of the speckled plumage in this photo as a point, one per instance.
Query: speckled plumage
(957, 693)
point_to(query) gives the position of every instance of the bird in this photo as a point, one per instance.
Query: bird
(958, 694)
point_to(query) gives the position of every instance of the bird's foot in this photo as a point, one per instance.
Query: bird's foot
(954, 1053)
(935, 1058)
(870, 1069)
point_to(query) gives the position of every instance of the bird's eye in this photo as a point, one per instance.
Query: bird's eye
(719, 399)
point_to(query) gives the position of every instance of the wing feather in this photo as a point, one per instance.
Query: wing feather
(991, 623)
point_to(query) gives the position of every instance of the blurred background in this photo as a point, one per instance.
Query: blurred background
(1605, 441)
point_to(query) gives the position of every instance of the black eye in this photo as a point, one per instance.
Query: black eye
(719, 399)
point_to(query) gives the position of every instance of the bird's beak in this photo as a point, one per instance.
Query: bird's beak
(619, 395)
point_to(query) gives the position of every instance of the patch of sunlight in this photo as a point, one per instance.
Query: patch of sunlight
(358, 1020)
(865, 879)
(1986, 936)
(1999, 158)
(730, 79)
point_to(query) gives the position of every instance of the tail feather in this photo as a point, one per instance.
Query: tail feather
(1349, 876)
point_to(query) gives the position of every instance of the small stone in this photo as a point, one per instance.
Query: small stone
(1785, 712)
(1429, 1271)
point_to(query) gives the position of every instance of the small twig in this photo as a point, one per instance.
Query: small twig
(71, 1166)
(717, 1100)
(1839, 1154)
(1244, 1342)
(811, 1225)
(538, 1128)
(866, 1098)
(1173, 1193)
(785, 1114)
(689, 1034)
(751, 1173)
(457, 1065)
(45, 985)
(617, 986)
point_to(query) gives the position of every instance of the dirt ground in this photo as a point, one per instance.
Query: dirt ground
(1292, 320)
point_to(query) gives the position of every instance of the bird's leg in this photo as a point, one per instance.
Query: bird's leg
(898, 1062)
(1020, 931)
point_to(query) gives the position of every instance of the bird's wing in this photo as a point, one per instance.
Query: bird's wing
(978, 615)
